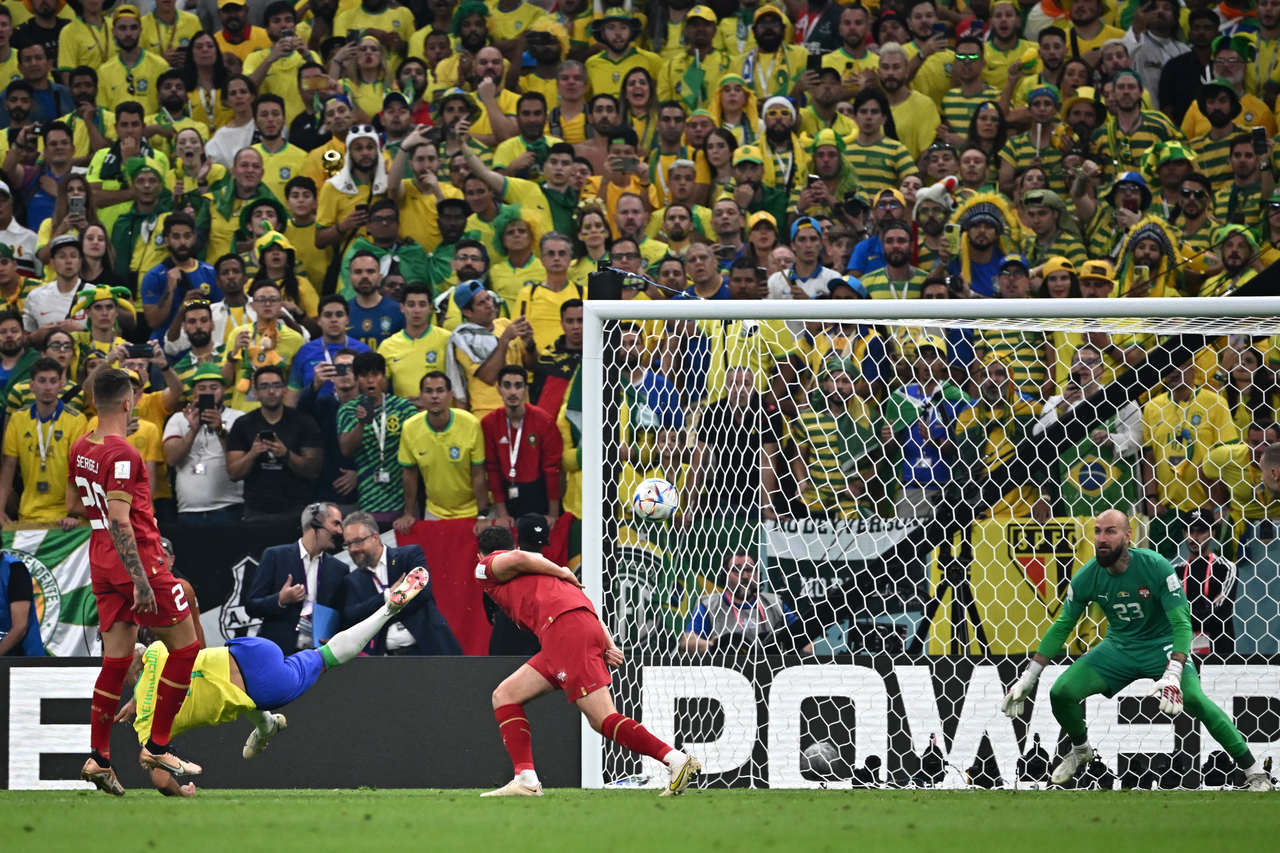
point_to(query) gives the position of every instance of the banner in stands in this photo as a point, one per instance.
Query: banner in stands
(450, 549)
(755, 719)
(58, 562)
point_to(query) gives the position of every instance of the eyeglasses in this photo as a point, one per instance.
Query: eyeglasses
(266, 300)
(968, 57)
(1225, 60)
(626, 256)
(357, 540)
(61, 346)
(1201, 194)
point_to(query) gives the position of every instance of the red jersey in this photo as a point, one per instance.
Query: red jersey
(110, 469)
(532, 601)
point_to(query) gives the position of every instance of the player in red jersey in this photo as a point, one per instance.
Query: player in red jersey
(548, 600)
(131, 581)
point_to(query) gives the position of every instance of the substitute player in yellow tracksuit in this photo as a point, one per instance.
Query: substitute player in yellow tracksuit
(251, 676)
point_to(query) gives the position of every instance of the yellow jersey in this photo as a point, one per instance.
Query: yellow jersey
(418, 216)
(398, 20)
(211, 700)
(540, 305)
(445, 459)
(44, 476)
(83, 43)
(1233, 465)
(282, 78)
(1180, 436)
(118, 83)
(160, 38)
(507, 102)
(256, 40)
(336, 206)
(315, 261)
(604, 75)
(287, 344)
(509, 281)
(409, 359)
(483, 398)
(281, 167)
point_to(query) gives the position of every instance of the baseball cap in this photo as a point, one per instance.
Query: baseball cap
(759, 216)
(1098, 269)
(1015, 260)
(747, 154)
(805, 222)
(130, 11)
(394, 95)
(222, 4)
(935, 341)
(63, 240)
(532, 530)
(465, 292)
(702, 13)
(1057, 263)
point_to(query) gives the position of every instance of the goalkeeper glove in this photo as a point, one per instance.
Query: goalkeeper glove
(1169, 688)
(1016, 698)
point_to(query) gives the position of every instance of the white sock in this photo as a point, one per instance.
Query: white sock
(674, 759)
(347, 644)
(261, 720)
(528, 778)
(1255, 767)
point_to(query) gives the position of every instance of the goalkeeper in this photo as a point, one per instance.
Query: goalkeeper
(1148, 636)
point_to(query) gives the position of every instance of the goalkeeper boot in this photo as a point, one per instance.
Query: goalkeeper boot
(169, 762)
(1254, 782)
(516, 788)
(258, 740)
(103, 777)
(1071, 765)
(682, 774)
(408, 588)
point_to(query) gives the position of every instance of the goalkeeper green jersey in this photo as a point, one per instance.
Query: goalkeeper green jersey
(1137, 604)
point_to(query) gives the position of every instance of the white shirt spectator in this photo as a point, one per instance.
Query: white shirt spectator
(222, 323)
(1127, 437)
(24, 241)
(1150, 55)
(817, 286)
(227, 142)
(398, 636)
(201, 482)
(47, 304)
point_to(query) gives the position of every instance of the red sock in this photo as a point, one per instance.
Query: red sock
(106, 699)
(635, 737)
(175, 678)
(516, 736)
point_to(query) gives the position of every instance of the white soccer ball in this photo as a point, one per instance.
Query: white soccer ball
(655, 498)
(819, 758)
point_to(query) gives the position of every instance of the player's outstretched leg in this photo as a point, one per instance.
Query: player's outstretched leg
(171, 690)
(1223, 730)
(346, 645)
(266, 725)
(1066, 695)
(604, 717)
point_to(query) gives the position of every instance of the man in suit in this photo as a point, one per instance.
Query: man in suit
(297, 589)
(420, 628)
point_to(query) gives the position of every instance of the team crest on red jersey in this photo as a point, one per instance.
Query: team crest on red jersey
(1144, 593)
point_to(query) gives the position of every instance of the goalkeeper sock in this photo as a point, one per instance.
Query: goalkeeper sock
(346, 645)
(625, 731)
(516, 736)
(106, 698)
(175, 680)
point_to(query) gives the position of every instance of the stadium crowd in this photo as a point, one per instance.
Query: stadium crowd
(344, 244)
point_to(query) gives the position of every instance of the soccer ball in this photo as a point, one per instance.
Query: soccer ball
(819, 758)
(655, 498)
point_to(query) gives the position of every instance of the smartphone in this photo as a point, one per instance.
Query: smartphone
(75, 205)
(952, 233)
(629, 163)
(939, 29)
(814, 63)
(1260, 141)
(341, 369)
(813, 179)
(267, 435)
(1142, 273)
(138, 351)
(362, 208)
(204, 401)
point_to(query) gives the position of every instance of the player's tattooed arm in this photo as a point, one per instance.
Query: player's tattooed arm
(126, 544)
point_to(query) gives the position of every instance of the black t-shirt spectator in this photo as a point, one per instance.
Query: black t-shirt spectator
(304, 132)
(271, 486)
(32, 33)
(730, 474)
(18, 589)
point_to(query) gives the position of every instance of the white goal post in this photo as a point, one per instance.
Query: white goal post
(858, 679)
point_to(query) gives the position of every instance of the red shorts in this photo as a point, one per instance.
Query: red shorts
(115, 602)
(572, 656)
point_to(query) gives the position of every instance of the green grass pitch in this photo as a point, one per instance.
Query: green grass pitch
(719, 820)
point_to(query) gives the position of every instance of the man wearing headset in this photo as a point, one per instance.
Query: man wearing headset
(297, 588)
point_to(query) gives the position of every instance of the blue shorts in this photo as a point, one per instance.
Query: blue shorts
(270, 679)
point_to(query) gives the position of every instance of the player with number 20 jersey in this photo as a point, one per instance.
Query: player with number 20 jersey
(110, 469)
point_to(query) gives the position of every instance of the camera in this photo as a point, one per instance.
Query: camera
(341, 369)
(138, 351)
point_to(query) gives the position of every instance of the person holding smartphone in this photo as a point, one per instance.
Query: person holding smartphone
(195, 447)
(276, 450)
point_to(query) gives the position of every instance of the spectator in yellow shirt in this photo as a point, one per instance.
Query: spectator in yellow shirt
(617, 30)
(237, 36)
(131, 74)
(274, 70)
(167, 31)
(37, 441)
(390, 25)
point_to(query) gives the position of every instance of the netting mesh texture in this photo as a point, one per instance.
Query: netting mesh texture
(878, 523)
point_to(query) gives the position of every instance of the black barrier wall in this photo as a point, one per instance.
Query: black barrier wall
(382, 722)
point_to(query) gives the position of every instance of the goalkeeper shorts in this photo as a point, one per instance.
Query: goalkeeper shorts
(1120, 667)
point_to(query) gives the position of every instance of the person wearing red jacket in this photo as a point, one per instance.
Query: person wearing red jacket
(522, 452)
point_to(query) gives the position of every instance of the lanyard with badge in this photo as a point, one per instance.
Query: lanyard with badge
(513, 450)
(43, 443)
(381, 476)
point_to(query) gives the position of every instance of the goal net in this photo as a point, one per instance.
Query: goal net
(881, 507)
